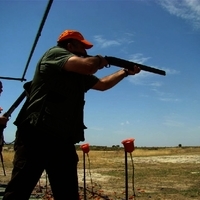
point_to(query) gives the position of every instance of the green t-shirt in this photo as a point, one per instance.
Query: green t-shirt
(56, 100)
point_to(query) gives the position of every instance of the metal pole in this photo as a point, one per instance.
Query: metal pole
(37, 36)
(84, 177)
(126, 176)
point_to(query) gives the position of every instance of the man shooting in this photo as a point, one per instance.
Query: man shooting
(51, 121)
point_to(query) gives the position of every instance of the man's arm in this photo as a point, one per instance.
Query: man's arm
(110, 81)
(87, 65)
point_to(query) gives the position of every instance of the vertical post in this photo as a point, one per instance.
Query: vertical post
(85, 148)
(84, 177)
(128, 147)
(126, 176)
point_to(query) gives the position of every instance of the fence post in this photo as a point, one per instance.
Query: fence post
(85, 148)
(128, 147)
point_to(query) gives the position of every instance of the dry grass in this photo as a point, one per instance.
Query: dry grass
(158, 174)
(148, 178)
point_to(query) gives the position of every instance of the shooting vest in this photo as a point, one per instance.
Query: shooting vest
(56, 102)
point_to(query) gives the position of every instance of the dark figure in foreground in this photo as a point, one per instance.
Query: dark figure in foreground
(50, 122)
(3, 120)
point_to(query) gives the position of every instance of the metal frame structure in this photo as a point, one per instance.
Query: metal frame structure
(34, 44)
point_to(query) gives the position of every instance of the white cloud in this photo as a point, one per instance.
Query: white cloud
(156, 84)
(124, 39)
(173, 123)
(163, 96)
(171, 71)
(169, 100)
(188, 10)
(145, 78)
(125, 123)
(102, 42)
(138, 58)
(174, 120)
(141, 78)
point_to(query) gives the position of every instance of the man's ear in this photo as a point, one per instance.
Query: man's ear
(70, 46)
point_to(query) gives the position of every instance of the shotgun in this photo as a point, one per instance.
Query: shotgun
(127, 64)
(130, 65)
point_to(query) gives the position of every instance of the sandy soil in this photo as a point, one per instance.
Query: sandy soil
(105, 190)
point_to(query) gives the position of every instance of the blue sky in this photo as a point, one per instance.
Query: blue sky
(155, 110)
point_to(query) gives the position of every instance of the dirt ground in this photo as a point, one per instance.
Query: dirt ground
(165, 177)
(154, 177)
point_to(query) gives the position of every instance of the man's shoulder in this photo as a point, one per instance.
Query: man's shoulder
(58, 49)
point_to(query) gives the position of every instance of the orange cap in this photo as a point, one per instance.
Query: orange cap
(72, 34)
